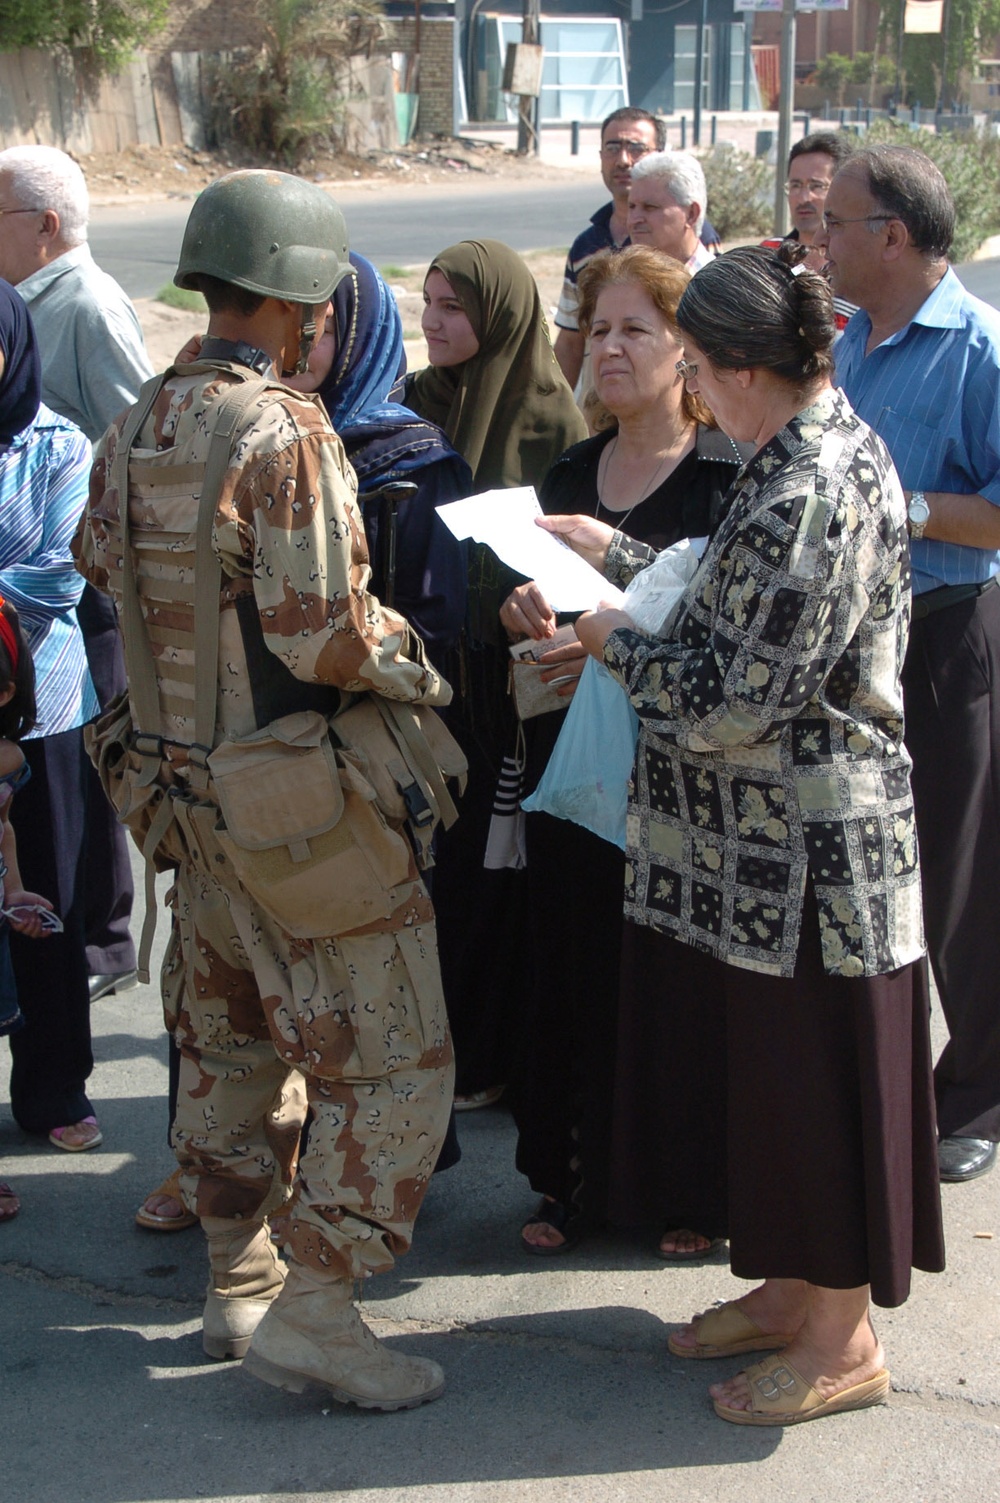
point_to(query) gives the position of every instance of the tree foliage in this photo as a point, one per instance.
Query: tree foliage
(288, 95)
(933, 67)
(864, 70)
(108, 31)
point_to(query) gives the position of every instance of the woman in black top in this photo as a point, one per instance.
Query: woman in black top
(660, 473)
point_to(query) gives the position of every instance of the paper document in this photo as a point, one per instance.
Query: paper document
(505, 521)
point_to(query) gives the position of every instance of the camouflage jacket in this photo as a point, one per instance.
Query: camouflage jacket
(296, 620)
(771, 744)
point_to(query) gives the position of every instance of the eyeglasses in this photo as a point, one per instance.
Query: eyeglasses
(20, 211)
(816, 186)
(632, 149)
(686, 369)
(831, 221)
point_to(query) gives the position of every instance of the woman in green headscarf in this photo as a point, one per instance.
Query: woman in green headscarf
(494, 386)
(499, 395)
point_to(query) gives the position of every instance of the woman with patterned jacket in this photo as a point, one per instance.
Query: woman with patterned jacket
(773, 880)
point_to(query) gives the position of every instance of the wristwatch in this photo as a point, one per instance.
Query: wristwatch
(919, 514)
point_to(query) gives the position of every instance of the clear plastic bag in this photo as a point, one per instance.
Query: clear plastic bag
(655, 591)
(587, 776)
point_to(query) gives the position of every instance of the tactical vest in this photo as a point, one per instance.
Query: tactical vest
(294, 803)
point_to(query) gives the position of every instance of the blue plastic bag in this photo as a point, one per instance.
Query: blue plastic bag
(587, 776)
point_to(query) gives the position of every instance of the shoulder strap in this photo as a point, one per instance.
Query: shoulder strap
(139, 662)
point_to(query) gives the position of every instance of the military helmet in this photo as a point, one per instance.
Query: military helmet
(269, 232)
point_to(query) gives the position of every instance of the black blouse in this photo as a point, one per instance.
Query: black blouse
(690, 503)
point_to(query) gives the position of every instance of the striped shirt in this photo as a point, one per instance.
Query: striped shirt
(44, 475)
(931, 391)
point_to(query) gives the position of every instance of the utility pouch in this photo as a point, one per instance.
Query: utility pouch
(131, 775)
(407, 754)
(303, 832)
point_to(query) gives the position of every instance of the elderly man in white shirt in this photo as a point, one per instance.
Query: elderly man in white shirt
(93, 356)
(93, 364)
(667, 200)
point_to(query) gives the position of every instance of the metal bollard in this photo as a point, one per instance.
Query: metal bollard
(684, 131)
(715, 128)
(574, 138)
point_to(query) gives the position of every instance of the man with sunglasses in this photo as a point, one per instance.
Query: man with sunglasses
(626, 136)
(920, 362)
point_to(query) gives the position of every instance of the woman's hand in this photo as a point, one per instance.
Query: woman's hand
(23, 915)
(585, 535)
(565, 662)
(595, 627)
(527, 613)
(191, 351)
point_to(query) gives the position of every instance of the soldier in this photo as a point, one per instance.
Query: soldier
(360, 1014)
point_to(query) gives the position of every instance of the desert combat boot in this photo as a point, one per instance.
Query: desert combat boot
(313, 1334)
(246, 1275)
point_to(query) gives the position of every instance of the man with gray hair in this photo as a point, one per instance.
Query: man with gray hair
(920, 362)
(667, 199)
(93, 356)
(93, 364)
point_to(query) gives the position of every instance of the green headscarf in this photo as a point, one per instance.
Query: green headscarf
(509, 410)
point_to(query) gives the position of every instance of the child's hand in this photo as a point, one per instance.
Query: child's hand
(23, 913)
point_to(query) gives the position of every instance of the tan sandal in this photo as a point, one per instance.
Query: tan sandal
(781, 1396)
(727, 1332)
(154, 1222)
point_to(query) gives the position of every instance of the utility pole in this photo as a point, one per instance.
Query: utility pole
(527, 111)
(699, 69)
(786, 105)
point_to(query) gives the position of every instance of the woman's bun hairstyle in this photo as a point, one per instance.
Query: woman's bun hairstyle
(760, 309)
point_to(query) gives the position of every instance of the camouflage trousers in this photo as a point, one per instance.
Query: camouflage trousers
(361, 1017)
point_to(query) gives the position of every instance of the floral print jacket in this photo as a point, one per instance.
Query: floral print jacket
(771, 743)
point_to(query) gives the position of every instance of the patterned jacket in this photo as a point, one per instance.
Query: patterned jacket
(771, 747)
(295, 615)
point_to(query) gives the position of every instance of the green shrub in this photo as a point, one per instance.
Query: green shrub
(740, 192)
(183, 298)
(970, 162)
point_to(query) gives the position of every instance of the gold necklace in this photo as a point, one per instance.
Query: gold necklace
(622, 517)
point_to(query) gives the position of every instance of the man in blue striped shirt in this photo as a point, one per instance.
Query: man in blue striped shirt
(920, 362)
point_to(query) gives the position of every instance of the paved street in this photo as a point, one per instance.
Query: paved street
(560, 1386)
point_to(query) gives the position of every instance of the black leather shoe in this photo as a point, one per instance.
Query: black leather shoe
(117, 981)
(960, 1159)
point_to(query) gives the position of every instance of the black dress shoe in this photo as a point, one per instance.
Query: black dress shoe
(117, 981)
(965, 1158)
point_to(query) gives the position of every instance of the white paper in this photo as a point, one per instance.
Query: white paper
(505, 521)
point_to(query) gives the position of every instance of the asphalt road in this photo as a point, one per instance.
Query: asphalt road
(399, 225)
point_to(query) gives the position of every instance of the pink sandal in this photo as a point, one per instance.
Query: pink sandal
(56, 1136)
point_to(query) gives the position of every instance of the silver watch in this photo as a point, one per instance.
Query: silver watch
(919, 514)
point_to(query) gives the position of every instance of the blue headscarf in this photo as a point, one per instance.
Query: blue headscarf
(21, 382)
(385, 441)
(380, 436)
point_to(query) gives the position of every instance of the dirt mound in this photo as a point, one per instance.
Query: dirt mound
(151, 172)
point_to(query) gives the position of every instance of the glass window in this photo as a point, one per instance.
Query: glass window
(583, 75)
(685, 59)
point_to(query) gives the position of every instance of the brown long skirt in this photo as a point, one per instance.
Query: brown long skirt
(795, 1116)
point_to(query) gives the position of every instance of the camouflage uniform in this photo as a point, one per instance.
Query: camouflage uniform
(361, 1016)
